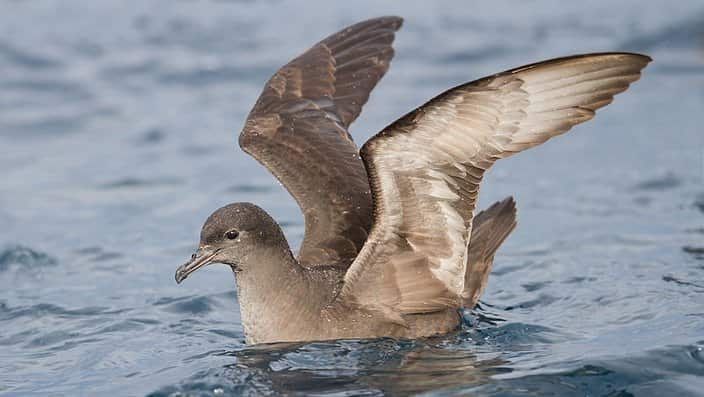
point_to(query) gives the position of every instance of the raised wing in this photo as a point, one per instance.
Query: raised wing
(298, 130)
(425, 171)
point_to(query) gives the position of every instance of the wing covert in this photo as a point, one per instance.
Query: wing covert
(298, 130)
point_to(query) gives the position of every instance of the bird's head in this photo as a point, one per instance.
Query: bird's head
(231, 235)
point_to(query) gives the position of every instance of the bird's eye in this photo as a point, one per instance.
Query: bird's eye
(232, 234)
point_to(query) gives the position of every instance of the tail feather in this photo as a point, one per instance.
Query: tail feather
(489, 229)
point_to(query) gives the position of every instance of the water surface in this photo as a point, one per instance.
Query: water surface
(118, 133)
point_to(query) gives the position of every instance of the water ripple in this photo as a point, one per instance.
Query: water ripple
(665, 182)
(47, 310)
(25, 58)
(135, 182)
(672, 279)
(25, 257)
(187, 305)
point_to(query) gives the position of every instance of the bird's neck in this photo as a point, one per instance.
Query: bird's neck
(274, 294)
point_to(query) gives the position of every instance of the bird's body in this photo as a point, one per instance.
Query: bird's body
(305, 309)
(392, 246)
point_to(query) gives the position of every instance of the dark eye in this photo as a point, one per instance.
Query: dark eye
(232, 234)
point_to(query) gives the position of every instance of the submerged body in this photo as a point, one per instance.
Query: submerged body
(392, 246)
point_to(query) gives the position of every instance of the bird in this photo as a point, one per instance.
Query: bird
(392, 246)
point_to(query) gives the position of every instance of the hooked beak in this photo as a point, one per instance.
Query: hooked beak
(202, 257)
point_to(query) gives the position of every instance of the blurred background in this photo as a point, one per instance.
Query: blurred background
(118, 127)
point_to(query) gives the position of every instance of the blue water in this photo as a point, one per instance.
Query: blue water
(118, 123)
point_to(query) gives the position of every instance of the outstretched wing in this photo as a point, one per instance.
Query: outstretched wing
(425, 171)
(298, 130)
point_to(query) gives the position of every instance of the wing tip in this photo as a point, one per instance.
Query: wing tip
(625, 54)
(394, 21)
(508, 205)
(641, 60)
(391, 22)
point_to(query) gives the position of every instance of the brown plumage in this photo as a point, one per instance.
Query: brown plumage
(392, 246)
(298, 129)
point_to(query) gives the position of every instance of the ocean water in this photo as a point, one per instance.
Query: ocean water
(118, 126)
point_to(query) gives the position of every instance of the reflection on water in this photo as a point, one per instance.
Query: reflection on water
(351, 367)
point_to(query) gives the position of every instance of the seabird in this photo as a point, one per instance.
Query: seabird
(392, 247)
